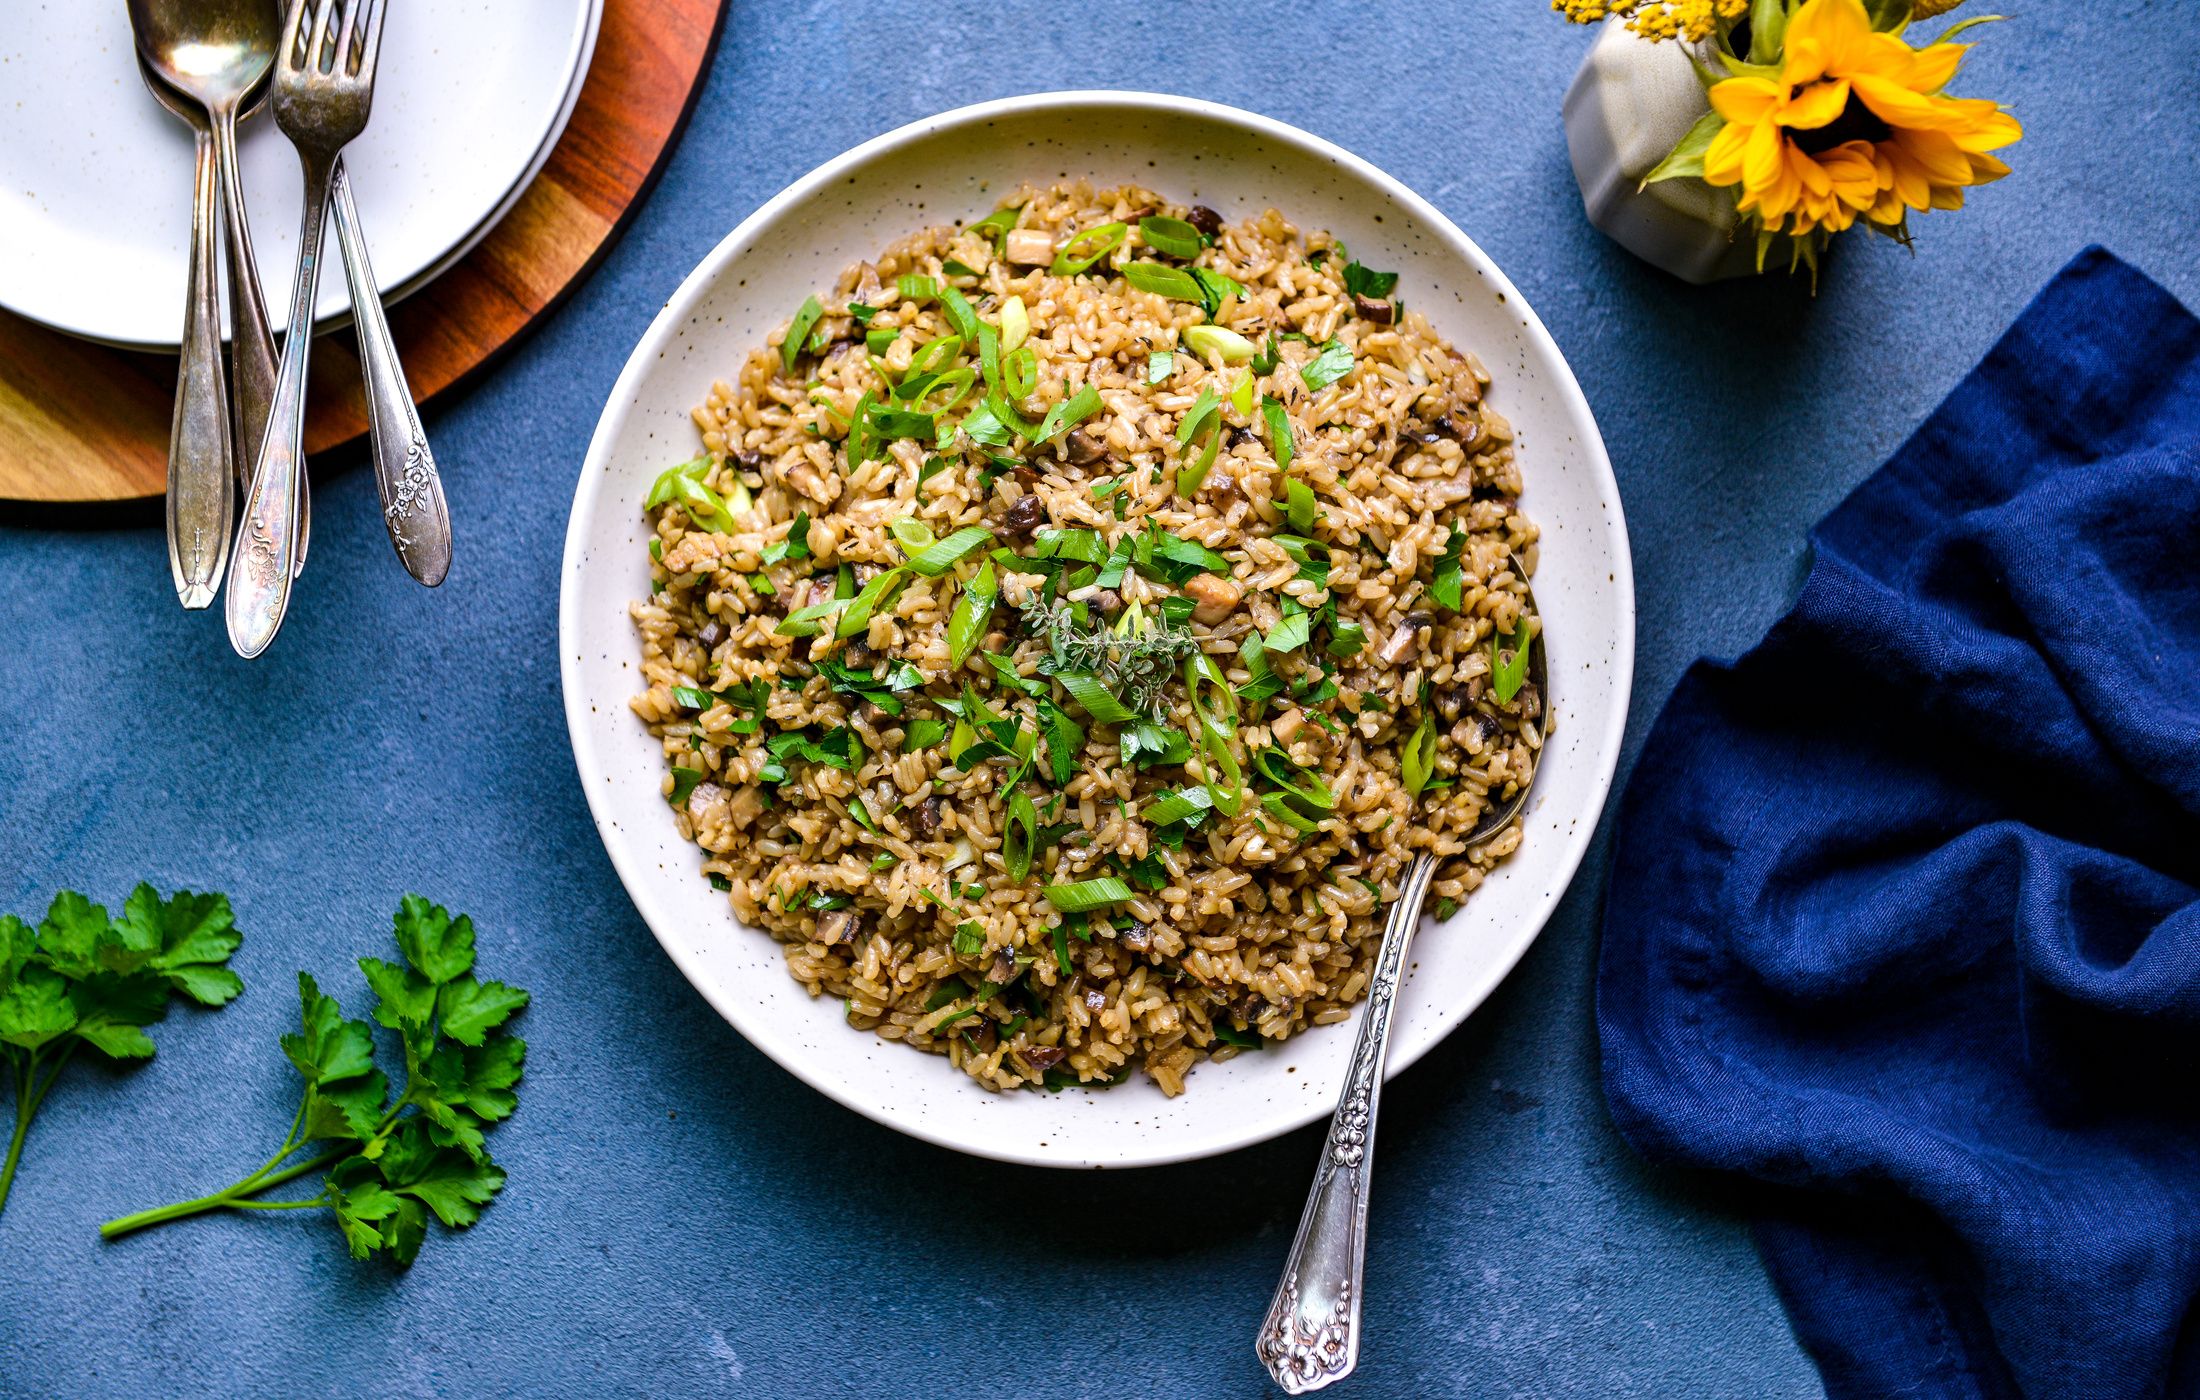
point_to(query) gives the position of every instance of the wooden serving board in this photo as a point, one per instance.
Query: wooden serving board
(83, 422)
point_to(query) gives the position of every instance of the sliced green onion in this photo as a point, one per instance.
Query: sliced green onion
(1088, 248)
(1280, 444)
(1191, 478)
(1061, 949)
(1241, 394)
(1172, 236)
(934, 355)
(956, 383)
(1020, 372)
(1203, 408)
(989, 356)
(1216, 725)
(1301, 785)
(1020, 838)
(1325, 369)
(960, 315)
(876, 341)
(1088, 895)
(1068, 414)
(1418, 764)
(1097, 700)
(910, 533)
(912, 286)
(956, 267)
(1174, 807)
(1279, 807)
(997, 224)
(807, 622)
(1299, 508)
(1159, 366)
(1507, 677)
(972, 611)
(1015, 323)
(937, 558)
(1162, 280)
(1234, 349)
(877, 591)
(660, 490)
(798, 331)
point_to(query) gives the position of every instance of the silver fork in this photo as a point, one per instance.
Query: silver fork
(324, 91)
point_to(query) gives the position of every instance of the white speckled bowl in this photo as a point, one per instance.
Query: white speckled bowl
(953, 167)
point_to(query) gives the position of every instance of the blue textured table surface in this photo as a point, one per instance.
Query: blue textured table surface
(682, 1215)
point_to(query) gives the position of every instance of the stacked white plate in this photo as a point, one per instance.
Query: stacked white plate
(95, 178)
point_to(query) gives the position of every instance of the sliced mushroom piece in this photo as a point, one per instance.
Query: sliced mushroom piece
(1025, 517)
(706, 800)
(1042, 1058)
(1287, 725)
(839, 928)
(1028, 247)
(711, 633)
(1382, 313)
(924, 818)
(1407, 639)
(1206, 220)
(1003, 970)
(1135, 936)
(1095, 1002)
(1215, 597)
(858, 654)
(1082, 448)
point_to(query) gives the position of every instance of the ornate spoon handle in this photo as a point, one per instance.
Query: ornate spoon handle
(1311, 1336)
(200, 452)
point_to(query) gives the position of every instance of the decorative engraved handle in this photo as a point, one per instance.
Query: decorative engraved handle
(252, 357)
(201, 457)
(1311, 1336)
(259, 585)
(412, 494)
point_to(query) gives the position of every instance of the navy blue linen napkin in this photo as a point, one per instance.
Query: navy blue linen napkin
(1905, 917)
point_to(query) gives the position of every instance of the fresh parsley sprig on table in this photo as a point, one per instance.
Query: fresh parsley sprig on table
(394, 1161)
(82, 978)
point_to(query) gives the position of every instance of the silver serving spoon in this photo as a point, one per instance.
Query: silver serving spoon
(211, 53)
(252, 343)
(1311, 1336)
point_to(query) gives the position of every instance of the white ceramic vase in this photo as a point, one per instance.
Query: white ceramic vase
(1629, 105)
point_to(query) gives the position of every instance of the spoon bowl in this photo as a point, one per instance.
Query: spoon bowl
(212, 51)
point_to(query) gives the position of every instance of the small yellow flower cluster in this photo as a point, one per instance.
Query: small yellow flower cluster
(1657, 19)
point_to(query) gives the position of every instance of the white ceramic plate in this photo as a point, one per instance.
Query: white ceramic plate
(95, 178)
(956, 166)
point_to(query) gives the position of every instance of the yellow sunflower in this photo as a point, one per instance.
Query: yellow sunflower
(1856, 124)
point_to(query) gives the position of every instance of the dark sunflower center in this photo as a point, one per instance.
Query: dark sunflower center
(1856, 123)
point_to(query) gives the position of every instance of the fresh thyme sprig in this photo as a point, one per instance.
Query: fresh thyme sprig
(1137, 657)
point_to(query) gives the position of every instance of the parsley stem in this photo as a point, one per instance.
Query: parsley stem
(230, 1197)
(27, 1100)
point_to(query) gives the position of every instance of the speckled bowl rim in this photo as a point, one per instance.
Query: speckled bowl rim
(583, 724)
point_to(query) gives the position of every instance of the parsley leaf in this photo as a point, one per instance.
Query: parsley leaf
(394, 1161)
(83, 978)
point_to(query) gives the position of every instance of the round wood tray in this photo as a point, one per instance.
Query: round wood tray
(82, 422)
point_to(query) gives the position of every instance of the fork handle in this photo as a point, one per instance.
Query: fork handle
(404, 469)
(200, 452)
(259, 583)
(252, 356)
(1311, 1336)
